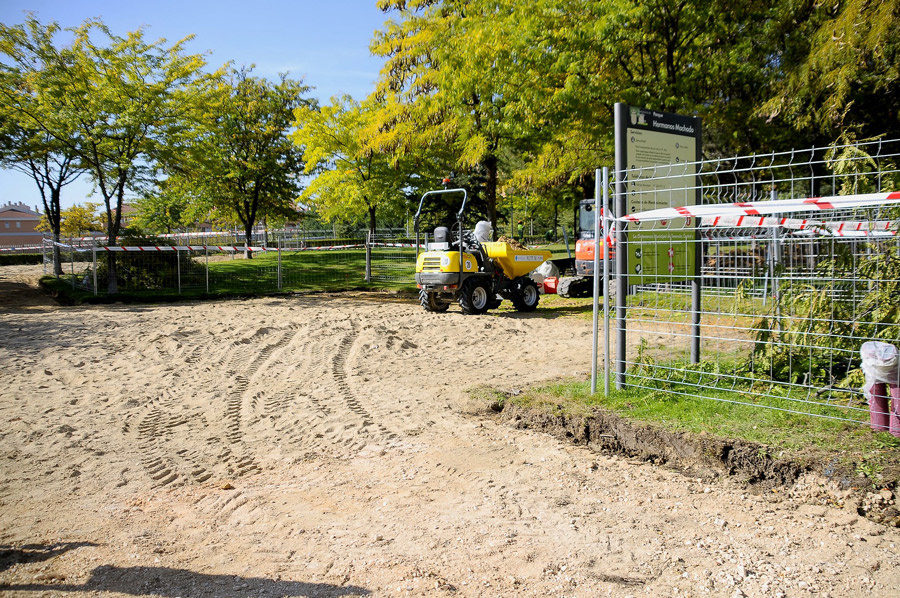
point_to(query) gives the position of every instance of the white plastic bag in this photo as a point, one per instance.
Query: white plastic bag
(880, 363)
(544, 271)
(547, 270)
(483, 231)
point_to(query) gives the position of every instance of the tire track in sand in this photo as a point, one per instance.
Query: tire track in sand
(298, 414)
(366, 425)
(242, 402)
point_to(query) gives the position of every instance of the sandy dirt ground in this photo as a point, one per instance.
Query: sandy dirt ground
(325, 446)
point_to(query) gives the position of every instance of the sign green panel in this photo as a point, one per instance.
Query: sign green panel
(660, 154)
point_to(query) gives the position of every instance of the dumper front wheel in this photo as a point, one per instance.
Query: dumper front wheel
(526, 297)
(431, 302)
(474, 297)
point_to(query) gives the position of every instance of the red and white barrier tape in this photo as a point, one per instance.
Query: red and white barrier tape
(840, 228)
(158, 248)
(395, 245)
(162, 248)
(22, 248)
(835, 226)
(763, 208)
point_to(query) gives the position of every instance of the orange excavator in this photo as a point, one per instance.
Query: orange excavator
(581, 283)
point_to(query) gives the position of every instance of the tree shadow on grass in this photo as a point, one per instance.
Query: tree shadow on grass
(167, 582)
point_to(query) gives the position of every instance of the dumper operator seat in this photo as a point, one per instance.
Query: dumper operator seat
(442, 235)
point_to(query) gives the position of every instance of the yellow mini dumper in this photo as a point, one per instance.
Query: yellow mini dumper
(472, 270)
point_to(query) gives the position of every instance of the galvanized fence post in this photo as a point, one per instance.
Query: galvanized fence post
(279, 263)
(94, 252)
(776, 263)
(621, 262)
(566, 240)
(206, 253)
(369, 241)
(697, 289)
(598, 181)
(607, 220)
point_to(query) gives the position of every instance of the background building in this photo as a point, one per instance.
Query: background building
(17, 225)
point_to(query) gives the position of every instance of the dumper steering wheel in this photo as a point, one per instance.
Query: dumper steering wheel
(468, 239)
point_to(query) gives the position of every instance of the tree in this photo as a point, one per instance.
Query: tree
(114, 104)
(31, 55)
(525, 94)
(840, 69)
(242, 161)
(163, 209)
(533, 86)
(711, 58)
(77, 221)
(350, 177)
(448, 80)
(128, 97)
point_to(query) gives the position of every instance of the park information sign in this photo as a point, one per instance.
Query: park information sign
(657, 152)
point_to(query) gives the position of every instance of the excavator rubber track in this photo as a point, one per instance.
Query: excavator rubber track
(573, 287)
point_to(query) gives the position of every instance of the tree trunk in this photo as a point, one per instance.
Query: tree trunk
(250, 207)
(587, 186)
(555, 218)
(57, 255)
(490, 165)
(54, 216)
(113, 225)
(371, 209)
(248, 240)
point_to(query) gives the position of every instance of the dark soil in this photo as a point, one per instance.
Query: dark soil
(704, 456)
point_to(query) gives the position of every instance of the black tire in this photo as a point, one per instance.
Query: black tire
(526, 297)
(431, 302)
(474, 297)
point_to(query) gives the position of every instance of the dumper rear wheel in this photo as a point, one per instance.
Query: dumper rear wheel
(526, 297)
(431, 302)
(474, 297)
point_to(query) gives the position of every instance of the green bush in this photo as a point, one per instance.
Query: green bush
(146, 271)
(17, 259)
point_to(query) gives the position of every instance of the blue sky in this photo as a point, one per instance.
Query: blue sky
(324, 42)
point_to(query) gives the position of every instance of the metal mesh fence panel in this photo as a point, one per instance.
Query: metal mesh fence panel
(393, 258)
(293, 263)
(786, 300)
(165, 272)
(235, 271)
(76, 263)
(322, 264)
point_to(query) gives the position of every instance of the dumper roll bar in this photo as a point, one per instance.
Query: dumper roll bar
(458, 222)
